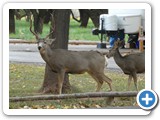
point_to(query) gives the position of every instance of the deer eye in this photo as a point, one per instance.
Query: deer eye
(45, 42)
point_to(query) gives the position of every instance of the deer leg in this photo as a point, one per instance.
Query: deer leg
(135, 80)
(99, 85)
(99, 82)
(107, 80)
(129, 81)
(102, 77)
(60, 80)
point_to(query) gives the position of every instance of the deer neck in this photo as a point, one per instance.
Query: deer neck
(118, 58)
(46, 53)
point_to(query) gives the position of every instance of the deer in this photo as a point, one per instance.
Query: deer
(63, 61)
(130, 64)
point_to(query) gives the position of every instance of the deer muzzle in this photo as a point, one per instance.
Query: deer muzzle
(108, 55)
(39, 47)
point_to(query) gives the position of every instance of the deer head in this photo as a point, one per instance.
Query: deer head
(41, 42)
(116, 45)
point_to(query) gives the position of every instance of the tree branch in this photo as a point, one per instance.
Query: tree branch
(74, 17)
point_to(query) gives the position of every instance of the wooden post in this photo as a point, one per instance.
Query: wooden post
(141, 39)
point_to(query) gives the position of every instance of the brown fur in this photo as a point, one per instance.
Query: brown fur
(64, 61)
(131, 64)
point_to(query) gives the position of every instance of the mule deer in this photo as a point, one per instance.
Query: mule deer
(64, 61)
(130, 64)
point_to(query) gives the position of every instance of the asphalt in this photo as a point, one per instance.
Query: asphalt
(27, 52)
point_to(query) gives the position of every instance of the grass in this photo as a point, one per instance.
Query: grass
(26, 79)
(80, 33)
(75, 32)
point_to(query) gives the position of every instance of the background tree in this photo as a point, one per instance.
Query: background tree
(61, 33)
(38, 15)
(47, 16)
(84, 17)
(18, 14)
(93, 14)
(11, 21)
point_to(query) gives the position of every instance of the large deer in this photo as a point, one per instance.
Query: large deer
(130, 64)
(64, 61)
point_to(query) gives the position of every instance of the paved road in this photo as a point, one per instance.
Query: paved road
(28, 53)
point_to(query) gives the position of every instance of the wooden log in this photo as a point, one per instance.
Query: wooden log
(75, 95)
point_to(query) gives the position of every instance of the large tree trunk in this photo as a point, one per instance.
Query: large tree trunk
(50, 83)
(11, 21)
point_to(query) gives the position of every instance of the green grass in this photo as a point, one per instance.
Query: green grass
(75, 32)
(80, 33)
(26, 80)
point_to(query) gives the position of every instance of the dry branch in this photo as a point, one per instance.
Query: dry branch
(75, 95)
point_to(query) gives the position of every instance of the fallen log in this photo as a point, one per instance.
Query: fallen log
(75, 95)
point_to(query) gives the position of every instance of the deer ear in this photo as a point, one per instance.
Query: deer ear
(116, 43)
(50, 41)
(119, 42)
(118, 39)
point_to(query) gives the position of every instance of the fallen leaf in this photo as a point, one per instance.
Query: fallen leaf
(97, 106)
(74, 107)
(26, 107)
(82, 106)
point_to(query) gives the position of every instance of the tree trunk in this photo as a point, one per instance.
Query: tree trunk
(50, 83)
(11, 21)
(47, 16)
(94, 15)
(28, 14)
(84, 17)
(38, 15)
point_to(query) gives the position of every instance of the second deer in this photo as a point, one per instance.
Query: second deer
(130, 64)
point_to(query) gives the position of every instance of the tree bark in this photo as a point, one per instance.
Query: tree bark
(11, 21)
(38, 15)
(50, 83)
(84, 17)
(94, 15)
(47, 16)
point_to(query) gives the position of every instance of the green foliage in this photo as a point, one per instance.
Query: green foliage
(75, 32)
(26, 80)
